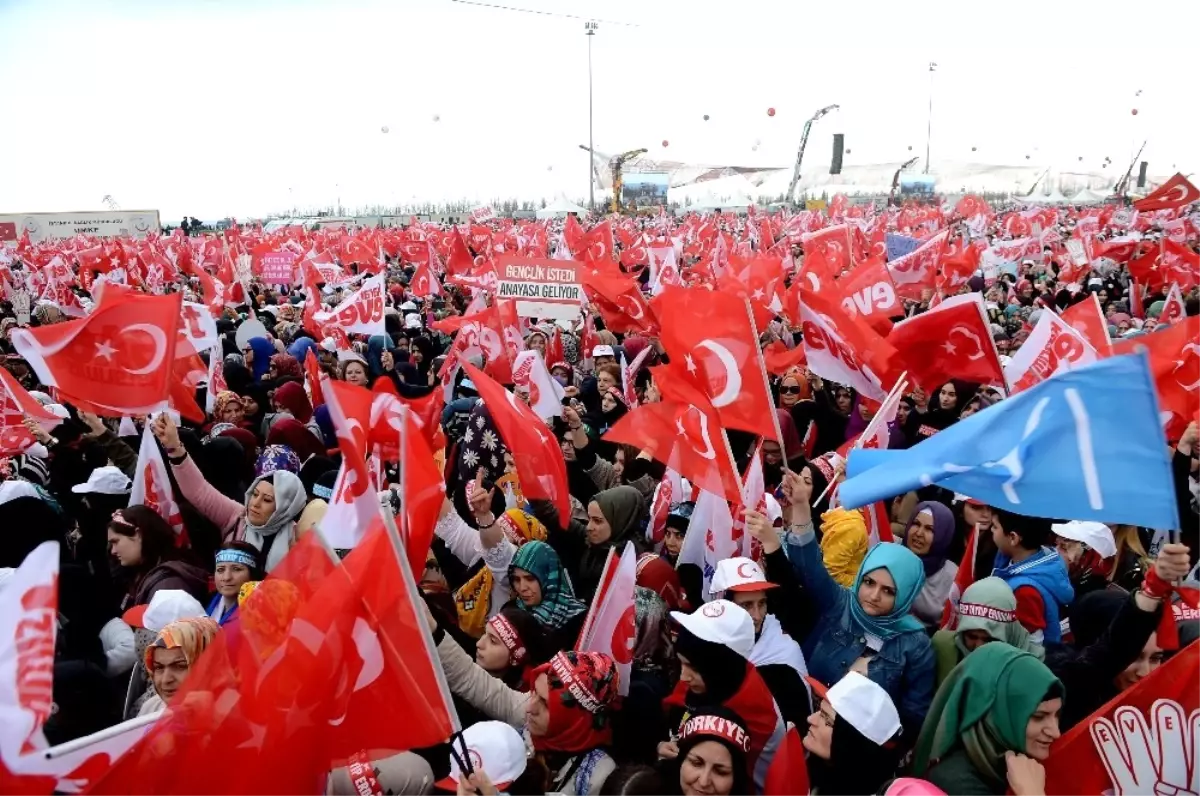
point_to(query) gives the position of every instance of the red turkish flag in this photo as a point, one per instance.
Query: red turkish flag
(1175, 192)
(610, 626)
(959, 263)
(829, 249)
(917, 270)
(347, 519)
(459, 261)
(424, 283)
(779, 360)
(534, 449)
(1175, 362)
(709, 334)
(1173, 307)
(356, 250)
(15, 405)
(1141, 741)
(788, 773)
(554, 348)
(1086, 318)
(1179, 264)
(312, 378)
(422, 489)
(953, 340)
(683, 430)
(385, 419)
(119, 357)
(620, 302)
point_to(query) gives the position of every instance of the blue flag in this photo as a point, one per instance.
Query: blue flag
(1083, 445)
(900, 245)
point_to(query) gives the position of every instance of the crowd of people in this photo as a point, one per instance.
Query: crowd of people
(861, 647)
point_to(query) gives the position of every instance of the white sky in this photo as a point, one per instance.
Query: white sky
(243, 107)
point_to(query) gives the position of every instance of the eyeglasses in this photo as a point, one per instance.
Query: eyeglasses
(790, 390)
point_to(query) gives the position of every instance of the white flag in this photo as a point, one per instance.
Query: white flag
(151, 486)
(611, 624)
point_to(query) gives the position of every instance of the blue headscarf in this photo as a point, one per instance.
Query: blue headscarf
(300, 348)
(909, 574)
(376, 345)
(263, 351)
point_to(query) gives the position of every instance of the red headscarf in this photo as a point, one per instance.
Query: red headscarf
(583, 685)
(291, 396)
(291, 432)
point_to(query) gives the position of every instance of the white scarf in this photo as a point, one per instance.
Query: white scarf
(774, 646)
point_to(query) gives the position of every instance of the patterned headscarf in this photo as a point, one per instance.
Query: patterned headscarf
(473, 598)
(191, 635)
(277, 457)
(481, 447)
(653, 649)
(583, 686)
(222, 402)
(559, 604)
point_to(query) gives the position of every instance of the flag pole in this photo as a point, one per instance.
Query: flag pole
(762, 368)
(591, 614)
(99, 736)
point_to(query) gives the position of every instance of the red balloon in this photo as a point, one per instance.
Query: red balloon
(770, 111)
(665, 142)
(1135, 111)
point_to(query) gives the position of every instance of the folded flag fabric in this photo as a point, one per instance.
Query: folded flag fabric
(1085, 444)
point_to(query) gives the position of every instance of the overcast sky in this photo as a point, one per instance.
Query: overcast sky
(243, 107)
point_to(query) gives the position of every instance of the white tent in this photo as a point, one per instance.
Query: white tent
(1086, 197)
(1055, 197)
(560, 207)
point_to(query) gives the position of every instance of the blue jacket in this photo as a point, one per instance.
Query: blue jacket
(1046, 572)
(905, 667)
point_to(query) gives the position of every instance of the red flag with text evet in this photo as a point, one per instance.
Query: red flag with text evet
(1175, 364)
(347, 518)
(917, 271)
(709, 333)
(869, 293)
(1086, 318)
(422, 490)
(535, 451)
(610, 626)
(620, 302)
(1144, 740)
(15, 405)
(844, 349)
(312, 378)
(779, 360)
(238, 724)
(1175, 192)
(952, 340)
(683, 431)
(112, 360)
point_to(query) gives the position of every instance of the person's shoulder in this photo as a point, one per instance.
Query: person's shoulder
(956, 774)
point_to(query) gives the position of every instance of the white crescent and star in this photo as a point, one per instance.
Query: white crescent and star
(733, 377)
(709, 452)
(160, 347)
(970, 335)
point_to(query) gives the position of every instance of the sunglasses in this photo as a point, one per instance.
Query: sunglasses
(790, 390)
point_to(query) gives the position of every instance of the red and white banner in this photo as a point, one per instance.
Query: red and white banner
(1052, 347)
(611, 625)
(542, 288)
(198, 327)
(151, 486)
(869, 292)
(15, 405)
(361, 312)
(715, 544)
(28, 628)
(831, 358)
(917, 270)
(279, 268)
(1173, 307)
(483, 214)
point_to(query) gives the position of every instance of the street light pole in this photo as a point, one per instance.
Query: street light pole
(590, 31)
(929, 118)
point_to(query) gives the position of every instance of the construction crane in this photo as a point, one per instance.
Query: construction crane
(803, 143)
(896, 179)
(615, 164)
(110, 202)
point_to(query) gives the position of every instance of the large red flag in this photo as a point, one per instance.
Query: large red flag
(917, 271)
(1175, 363)
(779, 360)
(15, 405)
(709, 333)
(348, 517)
(116, 360)
(683, 431)
(788, 773)
(869, 292)
(1175, 192)
(620, 302)
(845, 349)
(952, 340)
(422, 490)
(1142, 741)
(1086, 318)
(535, 451)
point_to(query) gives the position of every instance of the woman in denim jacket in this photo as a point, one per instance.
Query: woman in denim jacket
(865, 628)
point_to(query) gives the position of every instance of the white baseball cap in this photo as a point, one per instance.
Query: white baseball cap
(740, 574)
(164, 607)
(720, 622)
(867, 707)
(1095, 535)
(603, 351)
(107, 480)
(408, 306)
(412, 320)
(493, 747)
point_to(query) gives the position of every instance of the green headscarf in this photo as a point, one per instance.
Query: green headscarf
(624, 507)
(558, 603)
(984, 705)
(990, 605)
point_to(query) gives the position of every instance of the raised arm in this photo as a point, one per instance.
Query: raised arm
(216, 507)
